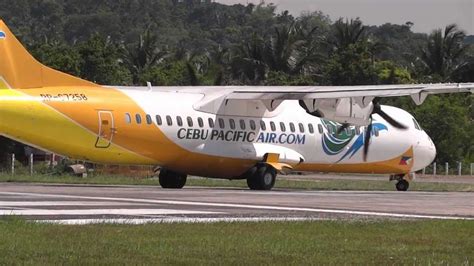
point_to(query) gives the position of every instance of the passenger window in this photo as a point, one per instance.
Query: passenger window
(301, 126)
(263, 126)
(128, 118)
(190, 121)
(253, 126)
(232, 123)
(357, 130)
(242, 124)
(292, 127)
(149, 121)
(179, 121)
(138, 118)
(311, 128)
(169, 121)
(273, 127)
(282, 127)
(158, 120)
(200, 122)
(211, 123)
(221, 123)
(320, 129)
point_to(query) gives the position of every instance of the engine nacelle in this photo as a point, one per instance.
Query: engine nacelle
(343, 110)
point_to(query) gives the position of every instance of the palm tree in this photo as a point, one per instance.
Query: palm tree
(249, 61)
(208, 68)
(144, 54)
(289, 50)
(348, 32)
(444, 53)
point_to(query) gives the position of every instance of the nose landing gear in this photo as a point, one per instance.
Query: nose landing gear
(402, 184)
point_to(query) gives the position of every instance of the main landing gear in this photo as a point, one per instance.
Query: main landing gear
(170, 179)
(402, 184)
(262, 177)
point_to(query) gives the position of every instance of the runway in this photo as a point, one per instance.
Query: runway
(84, 204)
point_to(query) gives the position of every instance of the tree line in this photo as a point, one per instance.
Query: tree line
(176, 43)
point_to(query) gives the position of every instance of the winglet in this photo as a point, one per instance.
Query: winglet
(22, 71)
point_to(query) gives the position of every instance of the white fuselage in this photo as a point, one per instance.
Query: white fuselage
(300, 139)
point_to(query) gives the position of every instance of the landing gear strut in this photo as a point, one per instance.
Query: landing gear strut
(262, 178)
(170, 179)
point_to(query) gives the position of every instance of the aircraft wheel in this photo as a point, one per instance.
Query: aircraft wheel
(402, 185)
(251, 183)
(263, 179)
(170, 179)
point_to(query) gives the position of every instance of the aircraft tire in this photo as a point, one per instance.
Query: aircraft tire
(263, 179)
(251, 183)
(172, 180)
(402, 185)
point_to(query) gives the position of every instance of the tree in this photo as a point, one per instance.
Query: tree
(351, 65)
(352, 57)
(143, 55)
(443, 56)
(59, 55)
(291, 50)
(348, 33)
(449, 123)
(101, 62)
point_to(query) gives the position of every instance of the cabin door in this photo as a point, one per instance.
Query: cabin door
(106, 129)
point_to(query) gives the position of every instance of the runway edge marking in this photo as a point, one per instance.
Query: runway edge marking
(246, 206)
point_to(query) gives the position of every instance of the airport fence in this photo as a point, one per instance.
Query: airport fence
(446, 169)
(54, 164)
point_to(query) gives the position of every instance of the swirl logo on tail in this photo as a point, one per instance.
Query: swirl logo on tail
(2, 35)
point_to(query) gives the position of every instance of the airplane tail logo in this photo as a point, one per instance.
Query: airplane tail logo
(2, 35)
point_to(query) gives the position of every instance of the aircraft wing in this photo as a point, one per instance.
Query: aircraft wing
(331, 92)
(363, 95)
(344, 104)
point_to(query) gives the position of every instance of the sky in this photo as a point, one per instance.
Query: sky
(425, 14)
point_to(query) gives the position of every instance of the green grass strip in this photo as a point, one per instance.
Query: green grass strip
(267, 243)
(282, 183)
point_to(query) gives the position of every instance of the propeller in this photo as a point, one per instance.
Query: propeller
(342, 128)
(368, 132)
(377, 109)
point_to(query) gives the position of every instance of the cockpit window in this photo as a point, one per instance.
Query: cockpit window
(417, 126)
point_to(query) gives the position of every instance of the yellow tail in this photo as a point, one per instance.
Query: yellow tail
(22, 71)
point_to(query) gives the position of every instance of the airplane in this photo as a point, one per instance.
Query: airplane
(231, 132)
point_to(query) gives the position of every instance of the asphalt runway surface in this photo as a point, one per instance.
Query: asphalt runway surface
(85, 204)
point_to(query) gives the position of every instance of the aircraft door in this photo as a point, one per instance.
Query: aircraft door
(106, 129)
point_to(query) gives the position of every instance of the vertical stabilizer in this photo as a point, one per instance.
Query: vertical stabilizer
(21, 71)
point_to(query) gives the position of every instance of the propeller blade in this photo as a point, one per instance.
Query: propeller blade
(389, 119)
(378, 110)
(368, 134)
(342, 128)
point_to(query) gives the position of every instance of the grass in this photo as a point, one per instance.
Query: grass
(322, 242)
(282, 183)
